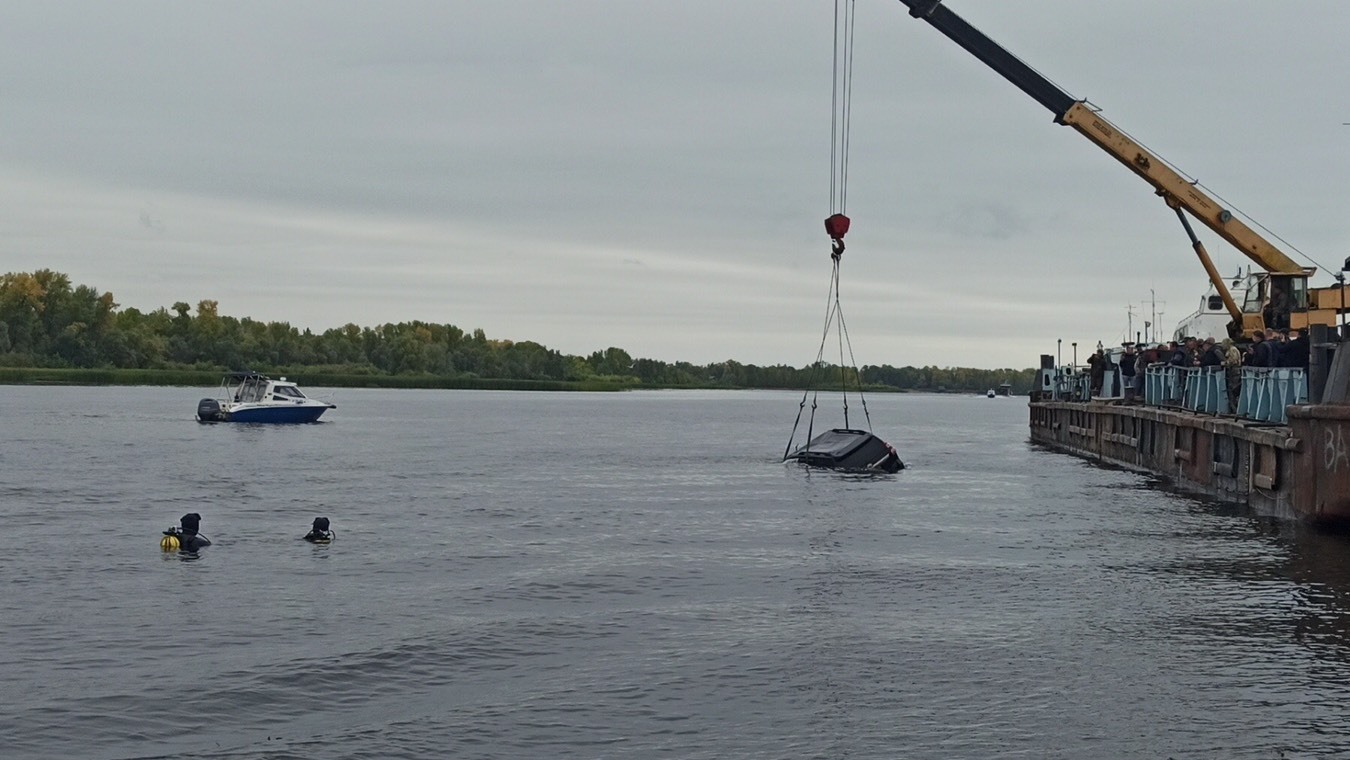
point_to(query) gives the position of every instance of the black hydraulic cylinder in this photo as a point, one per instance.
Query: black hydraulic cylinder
(994, 55)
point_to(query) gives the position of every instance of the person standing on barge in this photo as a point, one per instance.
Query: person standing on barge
(1275, 345)
(1232, 369)
(1096, 372)
(1127, 361)
(1262, 349)
(1295, 352)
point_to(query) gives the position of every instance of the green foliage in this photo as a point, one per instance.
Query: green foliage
(53, 332)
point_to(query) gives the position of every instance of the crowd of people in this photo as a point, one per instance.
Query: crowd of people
(1268, 348)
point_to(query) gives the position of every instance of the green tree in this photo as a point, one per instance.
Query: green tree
(611, 361)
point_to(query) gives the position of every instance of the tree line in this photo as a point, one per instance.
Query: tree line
(45, 322)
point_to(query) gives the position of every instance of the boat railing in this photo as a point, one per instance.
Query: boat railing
(1266, 391)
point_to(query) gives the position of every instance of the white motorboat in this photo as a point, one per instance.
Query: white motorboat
(251, 397)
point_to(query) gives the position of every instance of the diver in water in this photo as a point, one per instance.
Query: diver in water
(320, 534)
(189, 540)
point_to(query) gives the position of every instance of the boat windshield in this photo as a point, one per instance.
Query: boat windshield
(247, 389)
(287, 390)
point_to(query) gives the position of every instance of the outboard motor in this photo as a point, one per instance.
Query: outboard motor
(208, 410)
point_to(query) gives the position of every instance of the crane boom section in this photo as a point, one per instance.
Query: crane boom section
(994, 55)
(1175, 189)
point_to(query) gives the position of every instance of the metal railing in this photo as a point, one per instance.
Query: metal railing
(1264, 393)
(1205, 389)
(1162, 385)
(1071, 386)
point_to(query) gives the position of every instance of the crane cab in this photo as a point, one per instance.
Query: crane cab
(1286, 304)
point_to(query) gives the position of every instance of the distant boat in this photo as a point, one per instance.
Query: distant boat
(251, 397)
(990, 393)
(1004, 389)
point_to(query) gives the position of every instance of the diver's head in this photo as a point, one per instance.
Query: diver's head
(321, 523)
(190, 521)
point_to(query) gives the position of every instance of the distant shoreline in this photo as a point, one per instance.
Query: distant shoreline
(56, 334)
(211, 379)
(319, 379)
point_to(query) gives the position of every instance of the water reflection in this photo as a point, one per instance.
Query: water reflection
(1263, 584)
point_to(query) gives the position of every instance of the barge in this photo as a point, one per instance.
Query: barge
(1283, 450)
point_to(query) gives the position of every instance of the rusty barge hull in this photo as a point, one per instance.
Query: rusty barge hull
(1299, 471)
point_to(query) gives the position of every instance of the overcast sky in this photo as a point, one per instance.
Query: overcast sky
(653, 175)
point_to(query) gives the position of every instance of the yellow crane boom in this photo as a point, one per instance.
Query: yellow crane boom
(1288, 280)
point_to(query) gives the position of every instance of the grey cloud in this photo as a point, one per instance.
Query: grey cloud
(502, 164)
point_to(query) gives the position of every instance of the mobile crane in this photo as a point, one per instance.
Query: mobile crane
(1286, 300)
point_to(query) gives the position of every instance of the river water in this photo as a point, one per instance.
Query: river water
(636, 575)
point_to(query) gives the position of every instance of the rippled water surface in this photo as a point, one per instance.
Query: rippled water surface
(524, 575)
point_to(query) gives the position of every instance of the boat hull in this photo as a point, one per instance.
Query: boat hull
(281, 414)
